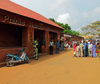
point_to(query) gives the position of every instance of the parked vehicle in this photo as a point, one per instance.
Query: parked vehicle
(11, 59)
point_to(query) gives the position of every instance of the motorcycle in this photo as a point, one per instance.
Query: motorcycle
(12, 59)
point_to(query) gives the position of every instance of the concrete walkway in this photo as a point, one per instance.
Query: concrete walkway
(55, 69)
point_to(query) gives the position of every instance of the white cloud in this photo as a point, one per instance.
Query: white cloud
(66, 19)
(92, 14)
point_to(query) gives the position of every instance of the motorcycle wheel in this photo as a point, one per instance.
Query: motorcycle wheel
(28, 60)
(8, 59)
(9, 64)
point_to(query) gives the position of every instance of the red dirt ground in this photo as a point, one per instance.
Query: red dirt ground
(54, 69)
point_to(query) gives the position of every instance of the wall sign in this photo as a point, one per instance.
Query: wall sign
(21, 22)
(13, 20)
(34, 26)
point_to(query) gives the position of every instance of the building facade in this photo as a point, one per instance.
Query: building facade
(19, 31)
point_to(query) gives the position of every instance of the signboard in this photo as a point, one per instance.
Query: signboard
(21, 22)
(13, 20)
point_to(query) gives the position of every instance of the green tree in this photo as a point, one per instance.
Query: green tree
(52, 19)
(92, 29)
(67, 28)
(71, 32)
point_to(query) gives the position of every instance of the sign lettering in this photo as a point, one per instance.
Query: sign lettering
(13, 20)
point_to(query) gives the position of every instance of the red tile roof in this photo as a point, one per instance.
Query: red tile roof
(15, 8)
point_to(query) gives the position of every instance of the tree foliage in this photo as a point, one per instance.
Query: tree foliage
(71, 32)
(67, 28)
(92, 29)
(52, 19)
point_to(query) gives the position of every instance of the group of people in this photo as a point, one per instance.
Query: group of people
(59, 45)
(81, 48)
(85, 48)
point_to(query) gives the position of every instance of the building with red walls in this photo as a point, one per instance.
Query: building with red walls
(19, 27)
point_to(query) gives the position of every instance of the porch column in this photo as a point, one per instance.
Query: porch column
(47, 40)
(30, 33)
(30, 38)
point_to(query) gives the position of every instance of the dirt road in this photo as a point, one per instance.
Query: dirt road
(56, 69)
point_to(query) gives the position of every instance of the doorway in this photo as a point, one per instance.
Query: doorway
(53, 36)
(39, 35)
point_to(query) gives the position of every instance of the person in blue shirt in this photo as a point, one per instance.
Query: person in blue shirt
(62, 44)
(92, 41)
(84, 49)
(57, 47)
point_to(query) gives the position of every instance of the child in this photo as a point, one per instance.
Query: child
(74, 48)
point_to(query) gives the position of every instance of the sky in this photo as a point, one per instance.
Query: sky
(76, 13)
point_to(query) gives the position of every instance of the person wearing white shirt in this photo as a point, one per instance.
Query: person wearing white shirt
(90, 49)
(88, 42)
(77, 50)
(81, 49)
(51, 46)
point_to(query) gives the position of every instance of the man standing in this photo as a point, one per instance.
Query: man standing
(62, 44)
(35, 46)
(81, 49)
(84, 49)
(90, 49)
(87, 53)
(51, 46)
(57, 47)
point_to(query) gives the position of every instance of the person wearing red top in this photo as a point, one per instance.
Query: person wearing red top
(74, 49)
(69, 43)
